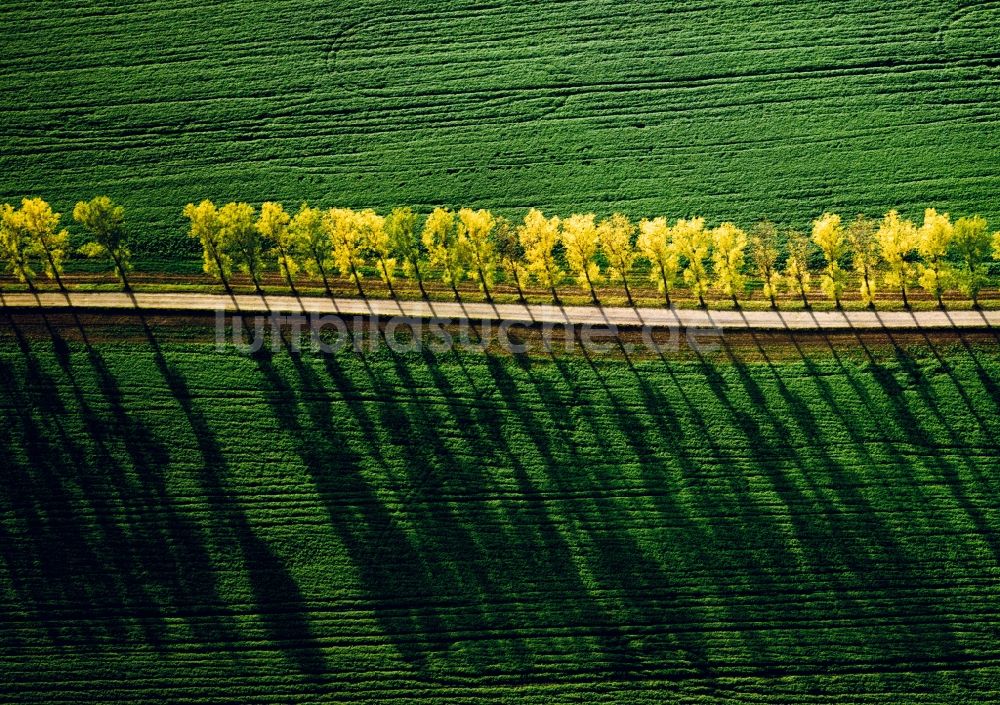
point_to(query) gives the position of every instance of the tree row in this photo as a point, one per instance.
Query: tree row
(892, 253)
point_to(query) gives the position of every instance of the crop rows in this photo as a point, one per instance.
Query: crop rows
(783, 109)
(369, 528)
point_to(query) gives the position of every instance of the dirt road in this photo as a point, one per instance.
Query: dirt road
(515, 313)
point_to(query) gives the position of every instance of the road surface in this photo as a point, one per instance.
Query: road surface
(514, 313)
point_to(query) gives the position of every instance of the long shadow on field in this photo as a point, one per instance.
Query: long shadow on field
(277, 599)
(843, 535)
(724, 532)
(597, 408)
(918, 395)
(400, 448)
(842, 564)
(93, 532)
(167, 545)
(530, 543)
(46, 545)
(433, 568)
(881, 513)
(392, 571)
(711, 536)
(91, 573)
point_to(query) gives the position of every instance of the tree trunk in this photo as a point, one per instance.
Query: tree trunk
(288, 278)
(218, 266)
(420, 279)
(322, 271)
(520, 292)
(121, 271)
(254, 277)
(288, 273)
(326, 280)
(628, 294)
(805, 299)
(938, 290)
(906, 302)
(22, 266)
(388, 281)
(52, 266)
(593, 294)
(666, 291)
(486, 290)
(357, 281)
(552, 286)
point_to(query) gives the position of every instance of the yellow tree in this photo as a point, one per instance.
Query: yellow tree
(865, 258)
(343, 228)
(274, 226)
(656, 244)
(897, 239)
(474, 229)
(401, 226)
(510, 254)
(444, 248)
(971, 244)
(615, 237)
(693, 243)
(933, 242)
(579, 238)
(539, 236)
(312, 240)
(242, 239)
(41, 225)
(207, 229)
(828, 234)
(729, 245)
(18, 251)
(797, 273)
(376, 240)
(764, 256)
(105, 222)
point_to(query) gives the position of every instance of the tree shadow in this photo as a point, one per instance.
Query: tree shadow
(78, 505)
(709, 521)
(278, 601)
(119, 557)
(392, 571)
(867, 555)
(911, 380)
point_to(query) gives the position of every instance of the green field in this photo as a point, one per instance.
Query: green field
(733, 110)
(783, 520)
(777, 524)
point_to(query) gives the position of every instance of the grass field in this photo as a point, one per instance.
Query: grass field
(731, 109)
(766, 524)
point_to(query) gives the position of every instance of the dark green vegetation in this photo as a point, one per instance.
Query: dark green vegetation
(800, 527)
(731, 110)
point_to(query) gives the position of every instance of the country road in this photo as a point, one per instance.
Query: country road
(514, 313)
